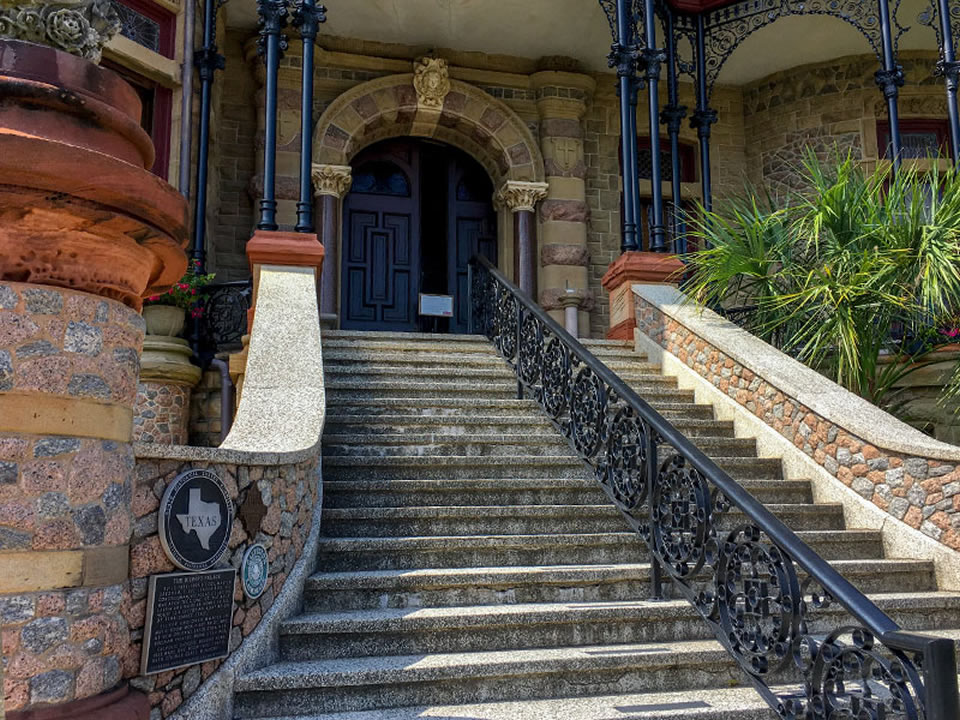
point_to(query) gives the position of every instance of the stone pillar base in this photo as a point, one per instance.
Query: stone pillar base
(162, 410)
(630, 268)
(121, 704)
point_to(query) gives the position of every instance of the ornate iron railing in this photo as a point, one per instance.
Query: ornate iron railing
(756, 584)
(224, 319)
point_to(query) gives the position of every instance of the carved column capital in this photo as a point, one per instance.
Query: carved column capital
(332, 179)
(79, 27)
(521, 196)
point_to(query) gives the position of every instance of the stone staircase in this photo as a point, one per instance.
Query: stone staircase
(470, 568)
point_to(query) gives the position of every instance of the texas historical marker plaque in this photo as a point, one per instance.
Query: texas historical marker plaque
(196, 515)
(189, 616)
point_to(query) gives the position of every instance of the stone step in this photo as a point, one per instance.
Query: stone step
(513, 491)
(736, 703)
(369, 405)
(317, 636)
(395, 553)
(530, 520)
(443, 467)
(449, 372)
(466, 343)
(487, 424)
(543, 443)
(434, 587)
(350, 390)
(396, 681)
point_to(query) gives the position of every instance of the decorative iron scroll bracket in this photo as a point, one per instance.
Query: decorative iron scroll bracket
(727, 27)
(930, 16)
(308, 17)
(759, 588)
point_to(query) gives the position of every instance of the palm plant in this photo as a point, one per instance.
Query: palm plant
(849, 277)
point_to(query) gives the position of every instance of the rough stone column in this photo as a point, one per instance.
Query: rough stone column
(562, 99)
(331, 183)
(76, 256)
(521, 199)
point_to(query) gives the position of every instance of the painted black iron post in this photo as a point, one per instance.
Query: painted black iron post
(652, 57)
(307, 16)
(270, 44)
(950, 69)
(890, 79)
(207, 61)
(704, 116)
(672, 116)
(623, 57)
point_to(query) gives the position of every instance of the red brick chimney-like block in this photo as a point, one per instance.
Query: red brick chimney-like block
(635, 267)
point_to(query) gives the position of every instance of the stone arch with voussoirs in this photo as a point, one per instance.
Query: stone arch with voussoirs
(445, 109)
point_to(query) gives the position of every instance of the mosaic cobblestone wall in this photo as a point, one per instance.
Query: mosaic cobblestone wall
(64, 499)
(274, 506)
(922, 492)
(162, 413)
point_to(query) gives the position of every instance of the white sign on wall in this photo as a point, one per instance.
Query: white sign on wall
(436, 305)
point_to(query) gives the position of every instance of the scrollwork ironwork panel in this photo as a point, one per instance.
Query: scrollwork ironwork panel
(224, 319)
(759, 588)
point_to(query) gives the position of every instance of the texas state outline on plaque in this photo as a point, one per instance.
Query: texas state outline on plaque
(201, 517)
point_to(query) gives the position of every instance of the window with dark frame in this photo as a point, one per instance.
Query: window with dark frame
(921, 138)
(153, 27)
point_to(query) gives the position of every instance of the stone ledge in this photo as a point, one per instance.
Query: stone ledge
(810, 388)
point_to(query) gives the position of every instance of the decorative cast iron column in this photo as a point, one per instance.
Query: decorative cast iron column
(949, 67)
(332, 183)
(270, 44)
(522, 198)
(207, 61)
(704, 116)
(652, 57)
(307, 17)
(623, 56)
(672, 116)
(890, 79)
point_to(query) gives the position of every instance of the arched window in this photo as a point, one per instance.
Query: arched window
(380, 178)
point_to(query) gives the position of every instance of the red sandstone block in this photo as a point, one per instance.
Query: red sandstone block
(913, 517)
(939, 518)
(251, 620)
(59, 534)
(16, 693)
(10, 640)
(148, 558)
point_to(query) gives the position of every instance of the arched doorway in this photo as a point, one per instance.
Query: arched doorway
(416, 212)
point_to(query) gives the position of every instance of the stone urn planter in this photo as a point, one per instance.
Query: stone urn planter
(165, 320)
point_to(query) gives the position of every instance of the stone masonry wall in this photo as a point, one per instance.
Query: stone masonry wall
(163, 410)
(64, 500)
(274, 506)
(922, 492)
(828, 106)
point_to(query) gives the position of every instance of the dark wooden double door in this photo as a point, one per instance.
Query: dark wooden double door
(416, 212)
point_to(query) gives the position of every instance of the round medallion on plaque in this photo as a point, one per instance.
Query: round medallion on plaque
(196, 515)
(254, 571)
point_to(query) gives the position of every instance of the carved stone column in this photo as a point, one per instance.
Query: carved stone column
(521, 198)
(562, 99)
(86, 230)
(331, 183)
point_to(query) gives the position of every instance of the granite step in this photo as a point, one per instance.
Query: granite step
(736, 703)
(438, 587)
(396, 553)
(487, 424)
(531, 520)
(442, 467)
(350, 389)
(368, 683)
(361, 633)
(450, 406)
(364, 492)
(547, 442)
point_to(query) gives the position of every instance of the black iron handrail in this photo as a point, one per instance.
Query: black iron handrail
(743, 581)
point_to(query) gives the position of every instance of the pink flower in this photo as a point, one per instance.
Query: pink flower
(153, 298)
(193, 291)
(196, 312)
(170, 291)
(952, 333)
(183, 286)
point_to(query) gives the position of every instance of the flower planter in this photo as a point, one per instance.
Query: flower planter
(167, 320)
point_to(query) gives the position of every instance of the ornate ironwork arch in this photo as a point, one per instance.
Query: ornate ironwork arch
(930, 16)
(727, 27)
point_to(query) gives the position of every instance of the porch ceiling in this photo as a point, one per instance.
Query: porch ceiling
(578, 29)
